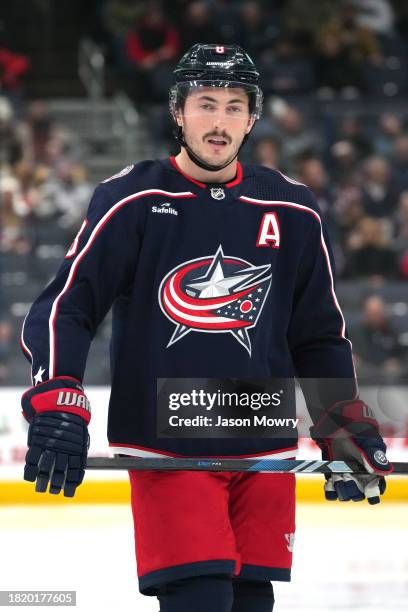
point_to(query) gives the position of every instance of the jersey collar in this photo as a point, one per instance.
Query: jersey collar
(232, 183)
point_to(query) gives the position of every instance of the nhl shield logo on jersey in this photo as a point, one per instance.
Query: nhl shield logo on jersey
(217, 193)
(215, 294)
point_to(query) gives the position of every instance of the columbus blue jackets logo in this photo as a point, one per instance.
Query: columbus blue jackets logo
(215, 294)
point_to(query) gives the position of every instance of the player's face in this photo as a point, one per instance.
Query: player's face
(215, 121)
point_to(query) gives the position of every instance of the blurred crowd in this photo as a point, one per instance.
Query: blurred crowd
(42, 184)
(357, 166)
(323, 64)
(347, 47)
(41, 176)
(349, 50)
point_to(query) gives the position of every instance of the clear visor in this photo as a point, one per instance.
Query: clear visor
(235, 100)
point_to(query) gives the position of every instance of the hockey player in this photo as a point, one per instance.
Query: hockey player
(167, 243)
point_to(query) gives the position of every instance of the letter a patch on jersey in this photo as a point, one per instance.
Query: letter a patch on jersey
(269, 231)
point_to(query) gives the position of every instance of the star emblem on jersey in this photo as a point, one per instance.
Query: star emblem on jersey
(215, 294)
(217, 193)
(38, 377)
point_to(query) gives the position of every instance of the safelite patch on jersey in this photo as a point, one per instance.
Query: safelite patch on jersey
(215, 294)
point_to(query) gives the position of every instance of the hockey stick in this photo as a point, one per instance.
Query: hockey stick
(229, 465)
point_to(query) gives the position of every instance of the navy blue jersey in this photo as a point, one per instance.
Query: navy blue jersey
(231, 280)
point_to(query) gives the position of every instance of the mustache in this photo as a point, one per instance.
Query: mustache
(223, 135)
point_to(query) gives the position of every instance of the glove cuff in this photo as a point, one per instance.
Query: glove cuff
(352, 422)
(59, 394)
(352, 416)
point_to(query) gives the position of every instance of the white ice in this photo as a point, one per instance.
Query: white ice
(347, 557)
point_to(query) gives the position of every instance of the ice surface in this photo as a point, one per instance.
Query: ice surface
(347, 557)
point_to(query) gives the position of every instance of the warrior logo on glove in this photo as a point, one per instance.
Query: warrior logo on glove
(66, 398)
(58, 440)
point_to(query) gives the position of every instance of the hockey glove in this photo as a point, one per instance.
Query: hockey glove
(58, 412)
(348, 431)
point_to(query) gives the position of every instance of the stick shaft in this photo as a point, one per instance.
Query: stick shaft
(229, 465)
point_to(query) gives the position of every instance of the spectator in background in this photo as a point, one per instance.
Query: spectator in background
(343, 46)
(33, 178)
(6, 342)
(108, 24)
(377, 350)
(256, 33)
(351, 128)
(65, 195)
(120, 15)
(46, 141)
(63, 144)
(13, 66)
(151, 46)
(343, 164)
(361, 42)
(313, 174)
(307, 18)
(39, 125)
(296, 139)
(369, 253)
(389, 129)
(12, 210)
(266, 152)
(23, 172)
(11, 145)
(379, 194)
(400, 232)
(197, 25)
(375, 15)
(335, 69)
(347, 214)
(286, 71)
(349, 144)
(348, 208)
(400, 163)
